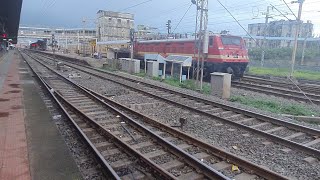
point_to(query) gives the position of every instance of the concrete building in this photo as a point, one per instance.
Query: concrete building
(113, 26)
(281, 31)
(145, 32)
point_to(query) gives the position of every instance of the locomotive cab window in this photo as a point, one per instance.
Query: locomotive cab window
(211, 41)
(231, 40)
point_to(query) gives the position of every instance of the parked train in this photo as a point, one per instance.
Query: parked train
(226, 53)
(39, 45)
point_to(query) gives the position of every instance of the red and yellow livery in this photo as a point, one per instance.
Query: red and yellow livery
(226, 53)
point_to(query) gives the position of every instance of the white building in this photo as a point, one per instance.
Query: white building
(113, 26)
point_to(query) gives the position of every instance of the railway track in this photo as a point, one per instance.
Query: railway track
(283, 79)
(281, 89)
(116, 130)
(289, 134)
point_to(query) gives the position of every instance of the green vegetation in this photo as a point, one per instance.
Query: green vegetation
(311, 75)
(141, 74)
(284, 53)
(274, 106)
(188, 84)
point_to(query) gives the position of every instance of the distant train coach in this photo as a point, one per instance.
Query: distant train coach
(39, 45)
(226, 53)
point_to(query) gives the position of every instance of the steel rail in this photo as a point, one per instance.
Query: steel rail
(241, 162)
(288, 94)
(310, 88)
(123, 144)
(99, 156)
(259, 116)
(196, 163)
(308, 150)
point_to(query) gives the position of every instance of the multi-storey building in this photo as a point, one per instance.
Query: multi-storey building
(113, 26)
(278, 33)
(145, 32)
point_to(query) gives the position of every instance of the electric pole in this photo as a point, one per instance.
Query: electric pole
(304, 48)
(53, 48)
(298, 24)
(205, 46)
(169, 27)
(83, 36)
(202, 46)
(264, 35)
(131, 53)
(65, 33)
(195, 37)
(78, 50)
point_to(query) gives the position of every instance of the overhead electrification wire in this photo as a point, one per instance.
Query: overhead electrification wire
(262, 48)
(238, 22)
(182, 18)
(280, 12)
(47, 6)
(290, 9)
(135, 5)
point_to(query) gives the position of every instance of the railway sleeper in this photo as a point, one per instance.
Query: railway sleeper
(135, 175)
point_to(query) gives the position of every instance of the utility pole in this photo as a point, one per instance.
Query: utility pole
(78, 51)
(132, 43)
(205, 46)
(83, 36)
(199, 38)
(202, 18)
(298, 24)
(304, 48)
(264, 35)
(169, 27)
(65, 33)
(53, 49)
(195, 36)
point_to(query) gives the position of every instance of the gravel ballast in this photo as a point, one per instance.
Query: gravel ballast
(235, 140)
(256, 149)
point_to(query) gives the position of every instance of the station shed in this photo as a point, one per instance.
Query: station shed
(182, 61)
(159, 60)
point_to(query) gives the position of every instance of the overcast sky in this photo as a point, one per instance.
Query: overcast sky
(155, 13)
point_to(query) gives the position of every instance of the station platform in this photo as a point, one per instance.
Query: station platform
(31, 146)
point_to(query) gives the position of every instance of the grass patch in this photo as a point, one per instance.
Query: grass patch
(311, 75)
(187, 84)
(141, 74)
(273, 106)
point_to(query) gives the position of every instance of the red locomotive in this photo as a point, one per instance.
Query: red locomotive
(226, 53)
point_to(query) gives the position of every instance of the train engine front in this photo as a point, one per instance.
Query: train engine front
(227, 53)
